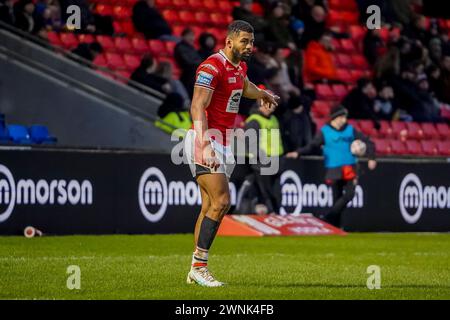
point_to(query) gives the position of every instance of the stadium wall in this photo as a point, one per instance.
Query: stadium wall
(68, 191)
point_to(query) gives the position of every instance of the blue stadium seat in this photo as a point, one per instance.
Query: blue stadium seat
(40, 134)
(4, 137)
(19, 134)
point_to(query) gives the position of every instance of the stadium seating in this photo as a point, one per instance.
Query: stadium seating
(40, 134)
(18, 134)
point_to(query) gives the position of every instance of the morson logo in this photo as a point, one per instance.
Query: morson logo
(295, 195)
(155, 194)
(413, 198)
(42, 192)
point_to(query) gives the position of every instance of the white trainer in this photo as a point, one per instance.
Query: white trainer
(203, 277)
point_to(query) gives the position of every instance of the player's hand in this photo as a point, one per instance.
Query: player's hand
(209, 157)
(292, 155)
(372, 164)
(269, 99)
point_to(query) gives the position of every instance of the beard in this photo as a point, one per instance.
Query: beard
(237, 56)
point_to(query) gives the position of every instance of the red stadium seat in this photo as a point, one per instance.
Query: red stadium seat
(140, 45)
(210, 5)
(399, 128)
(187, 17)
(128, 28)
(54, 39)
(354, 123)
(368, 128)
(123, 45)
(100, 61)
(339, 90)
(429, 131)
(123, 75)
(385, 129)
(414, 147)
(161, 4)
(219, 19)
(225, 6)
(443, 130)
(357, 33)
(180, 4)
(347, 45)
(122, 13)
(414, 130)
(86, 38)
(321, 108)
(359, 61)
(69, 40)
(157, 47)
(398, 147)
(344, 75)
(429, 147)
(323, 91)
(114, 60)
(356, 75)
(131, 61)
(170, 47)
(382, 147)
(203, 18)
(171, 16)
(343, 60)
(444, 148)
(104, 10)
(106, 42)
(196, 5)
(349, 5)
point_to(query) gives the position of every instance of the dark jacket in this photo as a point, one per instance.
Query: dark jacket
(149, 21)
(188, 59)
(360, 106)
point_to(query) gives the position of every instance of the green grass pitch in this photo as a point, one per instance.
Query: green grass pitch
(413, 266)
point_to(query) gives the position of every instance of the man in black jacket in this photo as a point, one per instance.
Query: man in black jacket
(188, 59)
(148, 20)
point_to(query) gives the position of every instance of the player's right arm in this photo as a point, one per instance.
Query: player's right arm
(200, 101)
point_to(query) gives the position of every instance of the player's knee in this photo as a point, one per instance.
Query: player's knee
(221, 204)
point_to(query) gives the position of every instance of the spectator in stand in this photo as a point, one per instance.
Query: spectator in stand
(298, 127)
(314, 25)
(207, 43)
(188, 59)
(146, 75)
(373, 46)
(384, 105)
(262, 66)
(6, 11)
(429, 107)
(148, 20)
(51, 14)
(87, 18)
(433, 74)
(297, 30)
(302, 9)
(435, 50)
(88, 51)
(281, 82)
(443, 92)
(360, 101)
(319, 63)
(417, 30)
(26, 17)
(244, 12)
(388, 65)
(165, 71)
(278, 26)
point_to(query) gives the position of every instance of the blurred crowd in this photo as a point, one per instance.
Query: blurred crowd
(293, 52)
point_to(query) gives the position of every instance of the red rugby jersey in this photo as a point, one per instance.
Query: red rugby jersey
(227, 80)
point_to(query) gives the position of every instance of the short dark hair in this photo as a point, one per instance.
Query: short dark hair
(239, 25)
(187, 31)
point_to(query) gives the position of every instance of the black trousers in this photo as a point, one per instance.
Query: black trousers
(343, 193)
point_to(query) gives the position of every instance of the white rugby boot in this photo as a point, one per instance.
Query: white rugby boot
(203, 277)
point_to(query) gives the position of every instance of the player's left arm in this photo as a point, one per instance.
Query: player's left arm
(251, 91)
(370, 148)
